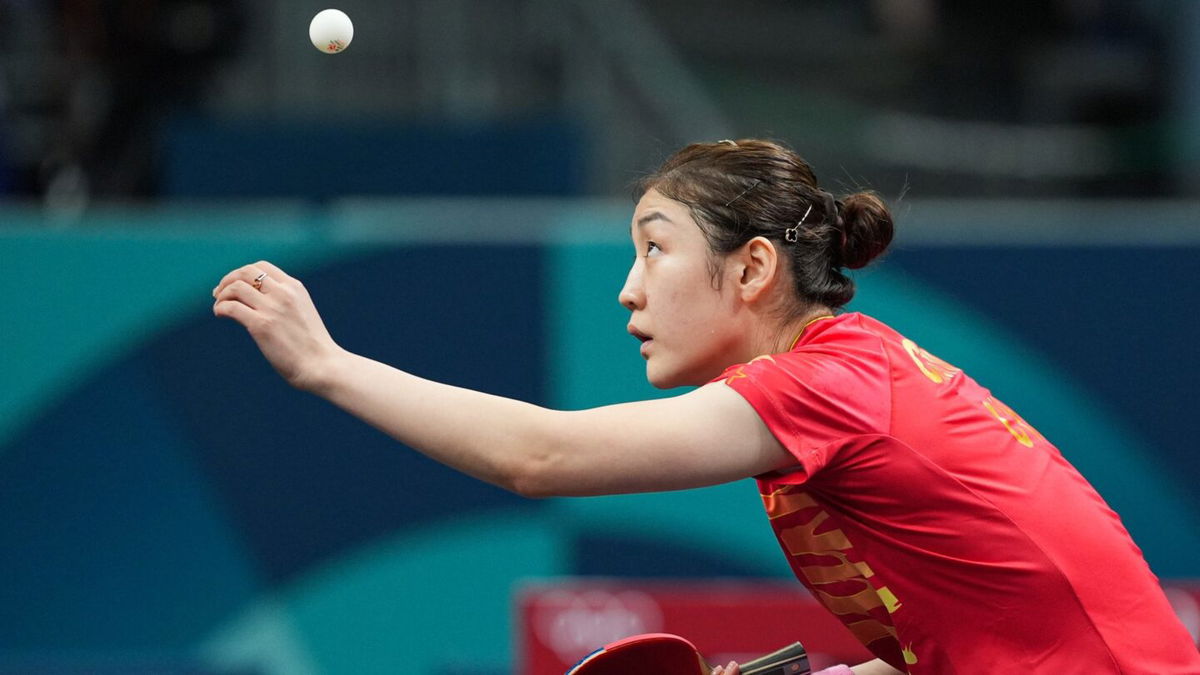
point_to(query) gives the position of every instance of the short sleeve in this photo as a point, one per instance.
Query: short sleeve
(815, 402)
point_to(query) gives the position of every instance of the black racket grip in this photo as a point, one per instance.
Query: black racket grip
(791, 660)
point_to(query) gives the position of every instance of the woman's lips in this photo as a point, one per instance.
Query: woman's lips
(646, 339)
(646, 346)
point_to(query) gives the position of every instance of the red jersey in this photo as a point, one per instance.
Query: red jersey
(945, 532)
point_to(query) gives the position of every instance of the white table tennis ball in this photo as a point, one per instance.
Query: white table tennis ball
(331, 31)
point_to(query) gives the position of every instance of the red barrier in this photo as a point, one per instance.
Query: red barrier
(559, 623)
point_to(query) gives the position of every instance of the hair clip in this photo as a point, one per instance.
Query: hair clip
(726, 140)
(792, 234)
(743, 192)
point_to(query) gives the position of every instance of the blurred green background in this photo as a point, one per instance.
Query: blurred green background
(168, 501)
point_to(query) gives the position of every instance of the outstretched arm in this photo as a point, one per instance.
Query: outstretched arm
(708, 436)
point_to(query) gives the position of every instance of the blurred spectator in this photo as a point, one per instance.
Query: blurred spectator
(6, 179)
(988, 60)
(1093, 68)
(108, 73)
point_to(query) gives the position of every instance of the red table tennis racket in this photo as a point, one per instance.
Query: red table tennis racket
(666, 654)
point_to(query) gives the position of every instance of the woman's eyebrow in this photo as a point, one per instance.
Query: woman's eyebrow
(653, 215)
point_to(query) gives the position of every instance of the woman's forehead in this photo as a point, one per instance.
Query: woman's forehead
(653, 206)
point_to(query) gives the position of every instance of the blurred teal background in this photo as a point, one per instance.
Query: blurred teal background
(453, 191)
(169, 503)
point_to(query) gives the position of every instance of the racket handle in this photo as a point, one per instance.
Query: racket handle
(791, 660)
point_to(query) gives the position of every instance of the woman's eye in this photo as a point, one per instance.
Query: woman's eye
(652, 248)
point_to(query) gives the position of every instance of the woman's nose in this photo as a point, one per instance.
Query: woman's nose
(631, 296)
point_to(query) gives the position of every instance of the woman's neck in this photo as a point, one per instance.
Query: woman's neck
(789, 334)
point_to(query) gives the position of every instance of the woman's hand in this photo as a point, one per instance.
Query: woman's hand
(730, 668)
(280, 316)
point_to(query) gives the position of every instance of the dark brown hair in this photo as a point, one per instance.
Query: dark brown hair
(738, 190)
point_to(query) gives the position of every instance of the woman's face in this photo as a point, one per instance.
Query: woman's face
(689, 330)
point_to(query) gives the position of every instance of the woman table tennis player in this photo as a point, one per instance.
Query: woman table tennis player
(944, 531)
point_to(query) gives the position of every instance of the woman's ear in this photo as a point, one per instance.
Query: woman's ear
(758, 263)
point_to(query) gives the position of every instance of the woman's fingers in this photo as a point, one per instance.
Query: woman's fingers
(278, 313)
(242, 292)
(232, 309)
(242, 273)
(240, 302)
(259, 275)
(272, 270)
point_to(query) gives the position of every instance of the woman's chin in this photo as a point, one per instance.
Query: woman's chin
(658, 377)
(661, 378)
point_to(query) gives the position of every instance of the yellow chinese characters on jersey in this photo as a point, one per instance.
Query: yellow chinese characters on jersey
(823, 557)
(1019, 428)
(938, 371)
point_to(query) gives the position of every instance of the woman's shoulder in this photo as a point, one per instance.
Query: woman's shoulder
(842, 351)
(848, 334)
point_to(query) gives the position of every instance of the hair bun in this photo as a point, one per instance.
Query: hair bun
(868, 227)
